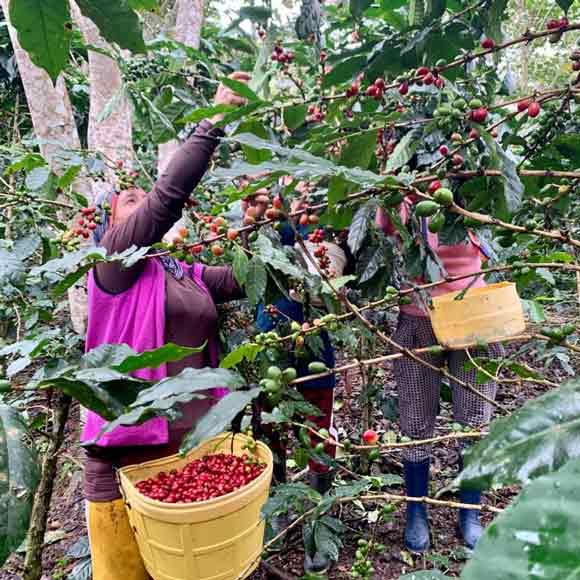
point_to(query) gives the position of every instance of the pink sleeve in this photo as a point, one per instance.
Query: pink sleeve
(385, 223)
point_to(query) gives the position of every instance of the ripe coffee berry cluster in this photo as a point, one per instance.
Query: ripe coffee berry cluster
(376, 90)
(533, 108)
(320, 253)
(315, 113)
(317, 236)
(558, 26)
(202, 479)
(282, 56)
(87, 222)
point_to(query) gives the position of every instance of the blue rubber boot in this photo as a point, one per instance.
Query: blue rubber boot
(470, 526)
(417, 485)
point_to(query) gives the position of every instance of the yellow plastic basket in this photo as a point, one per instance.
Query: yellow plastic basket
(487, 314)
(215, 539)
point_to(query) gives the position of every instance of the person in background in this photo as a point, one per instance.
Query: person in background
(155, 301)
(318, 392)
(419, 386)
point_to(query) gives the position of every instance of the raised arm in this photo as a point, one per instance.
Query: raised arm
(143, 220)
(156, 213)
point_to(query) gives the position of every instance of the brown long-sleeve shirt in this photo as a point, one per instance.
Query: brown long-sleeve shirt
(191, 316)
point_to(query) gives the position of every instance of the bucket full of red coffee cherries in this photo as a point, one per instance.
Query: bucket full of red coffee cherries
(199, 516)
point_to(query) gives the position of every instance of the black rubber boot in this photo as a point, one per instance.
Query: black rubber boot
(417, 485)
(470, 526)
(321, 482)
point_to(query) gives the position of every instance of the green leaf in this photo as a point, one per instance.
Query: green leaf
(403, 152)
(43, 28)
(188, 381)
(255, 13)
(68, 177)
(37, 178)
(205, 113)
(294, 116)
(241, 89)
(357, 7)
(257, 280)
(536, 439)
(534, 310)
(359, 150)
(70, 280)
(149, 5)
(338, 283)
(10, 265)
(344, 71)
(152, 359)
(275, 257)
(19, 475)
(360, 226)
(240, 265)
(116, 21)
(247, 351)
(565, 4)
(255, 128)
(219, 418)
(536, 536)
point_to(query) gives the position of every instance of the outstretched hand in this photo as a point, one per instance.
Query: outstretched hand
(225, 95)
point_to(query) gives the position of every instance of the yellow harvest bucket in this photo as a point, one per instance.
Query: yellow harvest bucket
(483, 315)
(217, 539)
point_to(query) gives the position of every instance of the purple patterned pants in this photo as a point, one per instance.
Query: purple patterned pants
(419, 386)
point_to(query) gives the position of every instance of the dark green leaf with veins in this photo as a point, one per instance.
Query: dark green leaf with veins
(19, 476)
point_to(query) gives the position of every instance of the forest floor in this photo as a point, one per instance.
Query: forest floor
(67, 523)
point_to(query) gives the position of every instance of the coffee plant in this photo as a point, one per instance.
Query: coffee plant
(371, 104)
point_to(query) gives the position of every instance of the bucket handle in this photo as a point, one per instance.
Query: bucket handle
(118, 480)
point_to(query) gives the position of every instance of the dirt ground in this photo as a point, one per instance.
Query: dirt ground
(66, 525)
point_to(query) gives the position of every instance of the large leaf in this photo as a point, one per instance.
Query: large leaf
(247, 351)
(360, 150)
(536, 439)
(256, 281)
(361, 223)
(164, 398)
(403, 152)
(10, 265)
(149, 5)
(537, 536)
(116, 21)
(357, 7)
(344, 71)
(294, 116)
(565, 4)
(240, 265)
(19, 476)
(44, 32)
(107, 399)
(152, 359)
(275, 257)
(240, 88)
(218, 418)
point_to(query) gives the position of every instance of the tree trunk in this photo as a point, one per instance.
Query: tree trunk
(42, 498)
(111, 135)
(54, 126)
(188, 24)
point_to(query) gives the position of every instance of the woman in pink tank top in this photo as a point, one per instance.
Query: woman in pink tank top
(419, 387)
